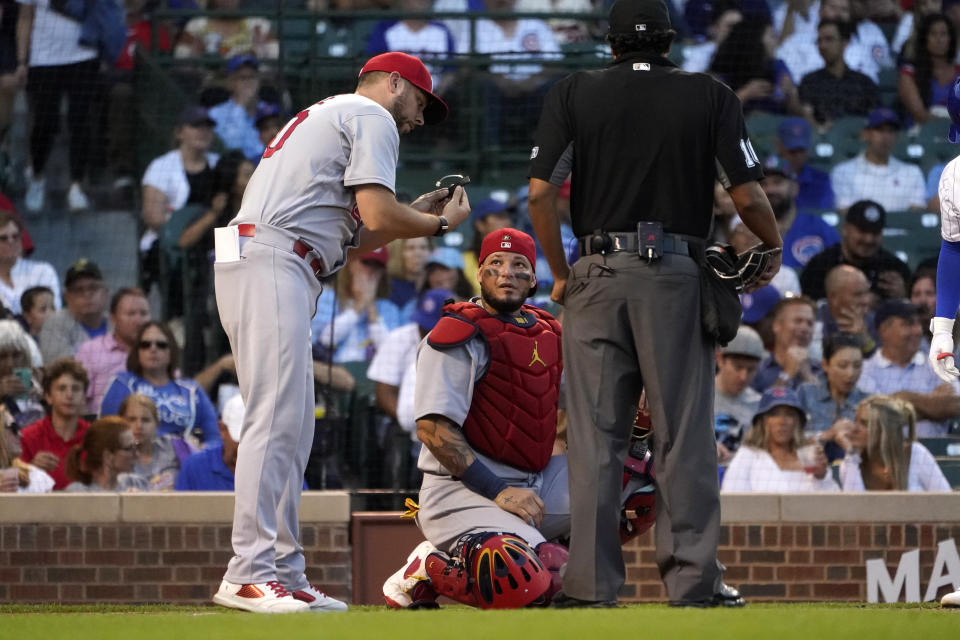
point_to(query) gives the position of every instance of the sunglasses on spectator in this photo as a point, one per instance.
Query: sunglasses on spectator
(162, 345)
(130, 448)
(10, 237)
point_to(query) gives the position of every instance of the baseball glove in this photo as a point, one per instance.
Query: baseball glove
(739, 270)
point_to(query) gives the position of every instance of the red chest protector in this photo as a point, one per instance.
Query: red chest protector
(513, 415)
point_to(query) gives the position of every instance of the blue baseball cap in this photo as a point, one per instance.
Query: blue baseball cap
(240, 60)
(430, 307)
(447, 257)
(894, 308)
(795, 133)
(758, 304)
(881, 116)
(488, 206)
(266, 110)
(953, 108)
(780, 397)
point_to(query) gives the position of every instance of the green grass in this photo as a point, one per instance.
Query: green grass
(653, 622)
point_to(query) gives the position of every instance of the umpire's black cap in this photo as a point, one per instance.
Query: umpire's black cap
(636, 16)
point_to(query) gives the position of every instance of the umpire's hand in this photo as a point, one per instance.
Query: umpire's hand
(773, 260)
(524, 503)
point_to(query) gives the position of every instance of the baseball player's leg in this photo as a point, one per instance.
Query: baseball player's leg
(290, 561)
(554, 490)
(268, 340)
(449, 511)
(678, 376)
(603, 387)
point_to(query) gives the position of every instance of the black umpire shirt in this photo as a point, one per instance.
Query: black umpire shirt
(647, 141)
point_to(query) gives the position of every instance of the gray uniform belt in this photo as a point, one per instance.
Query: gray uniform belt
(628, 241)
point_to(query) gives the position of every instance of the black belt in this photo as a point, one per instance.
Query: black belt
(628, 241)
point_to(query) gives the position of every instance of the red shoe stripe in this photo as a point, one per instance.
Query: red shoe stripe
(303, 596)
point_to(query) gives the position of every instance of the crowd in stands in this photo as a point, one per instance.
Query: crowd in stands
(825, 388)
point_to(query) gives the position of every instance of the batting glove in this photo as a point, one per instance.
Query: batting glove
(941, 349)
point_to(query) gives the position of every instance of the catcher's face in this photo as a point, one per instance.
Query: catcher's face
(506, 280)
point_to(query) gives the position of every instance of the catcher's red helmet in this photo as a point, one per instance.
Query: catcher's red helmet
(506, 572)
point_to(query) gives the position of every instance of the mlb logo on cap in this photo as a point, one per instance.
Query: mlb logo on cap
(505, 242)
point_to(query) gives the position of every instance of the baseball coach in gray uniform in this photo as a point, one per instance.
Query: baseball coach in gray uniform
(647, 140)
(326, 184)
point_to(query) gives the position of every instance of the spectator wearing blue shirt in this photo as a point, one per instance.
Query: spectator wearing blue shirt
(364, 314)
(790, 363)
(183, 406)
(831, 402)
(236, 117)
(814, 191)
(804, 235)
(212, 469)
(933, 187)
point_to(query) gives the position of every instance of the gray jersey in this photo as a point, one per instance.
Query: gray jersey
(445, 382)
(304, 183)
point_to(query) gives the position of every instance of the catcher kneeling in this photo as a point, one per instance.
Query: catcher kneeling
(494, 500)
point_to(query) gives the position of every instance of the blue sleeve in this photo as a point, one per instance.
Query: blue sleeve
(933, 180)
(390, 314)
(185, 480)
(827, 199)
(207, 418)
(948, 279)
(112, 399)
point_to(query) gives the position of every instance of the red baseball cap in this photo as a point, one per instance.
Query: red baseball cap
(512, 241)
(414, 71)
(380, 255)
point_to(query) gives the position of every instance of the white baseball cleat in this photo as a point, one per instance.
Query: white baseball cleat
(317, 600)
(263, 597)
(410, 586)
(951, 599)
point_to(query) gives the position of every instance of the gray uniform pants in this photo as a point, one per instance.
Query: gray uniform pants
(626, 326)
(266, 302)
(449, 510)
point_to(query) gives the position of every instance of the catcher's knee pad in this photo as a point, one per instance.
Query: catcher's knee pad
(552, 556)
(504, 572)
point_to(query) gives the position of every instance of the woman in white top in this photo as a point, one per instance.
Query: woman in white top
(882, 451)
(768, 459)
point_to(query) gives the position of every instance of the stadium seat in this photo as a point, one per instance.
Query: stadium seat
(912, 235)
(762, 129)
(951, 469)
(943, 446)
(844, 137)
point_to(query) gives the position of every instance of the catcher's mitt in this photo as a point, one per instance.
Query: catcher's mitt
(740, 271)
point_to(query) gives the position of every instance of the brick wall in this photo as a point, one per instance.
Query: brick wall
(174, 547)
(798, 561)
(143, 563)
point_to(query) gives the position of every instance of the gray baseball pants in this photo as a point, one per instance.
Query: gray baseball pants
(266, 301)
(449, 510)
(630, 325)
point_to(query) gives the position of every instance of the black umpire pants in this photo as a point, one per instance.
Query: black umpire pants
(630, 325)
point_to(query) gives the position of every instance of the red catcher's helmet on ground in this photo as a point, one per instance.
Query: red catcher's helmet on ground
(506, 572)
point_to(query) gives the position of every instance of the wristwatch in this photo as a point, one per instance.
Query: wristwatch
(444, 227)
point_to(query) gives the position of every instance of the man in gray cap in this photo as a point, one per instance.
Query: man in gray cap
(735, 401)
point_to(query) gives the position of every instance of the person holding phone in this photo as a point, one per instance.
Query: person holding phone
(20, 391)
